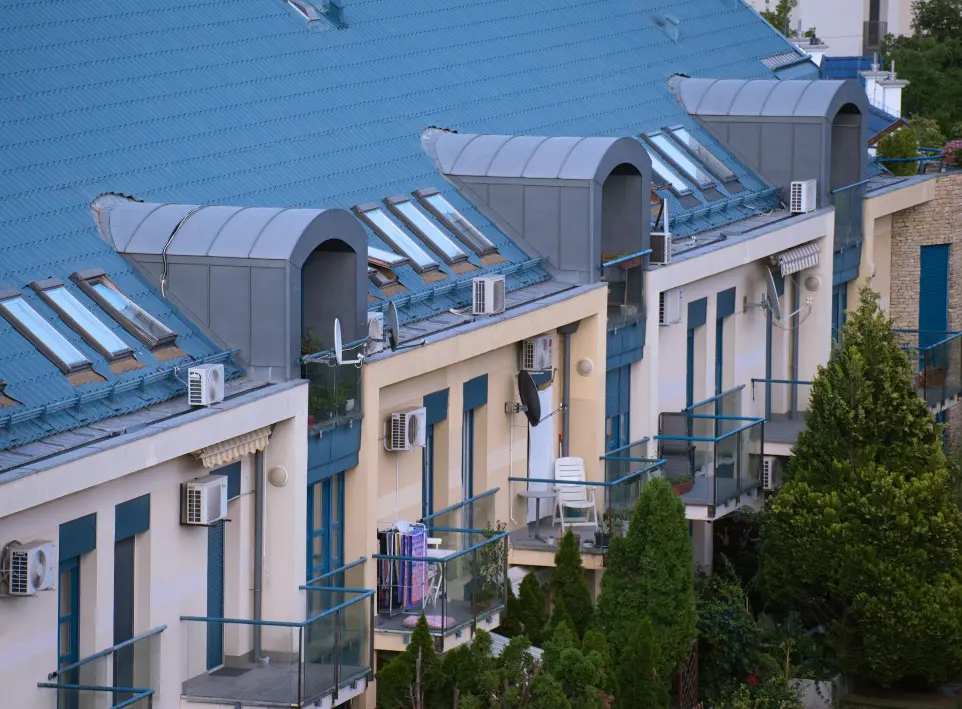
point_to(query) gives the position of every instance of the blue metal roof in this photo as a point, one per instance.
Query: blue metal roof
(244, 102)
(846, 67)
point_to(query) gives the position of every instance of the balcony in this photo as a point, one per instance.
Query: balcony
(937, 361)
(122, 676)
(334, 390)
(783, 403)
(455, 573)
(712, 454)
(626, 471)
(325, 659)
(848, 215)
(625, 276)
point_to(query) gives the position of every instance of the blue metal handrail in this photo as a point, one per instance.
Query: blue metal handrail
(364, 594)
(714, 398)
(449, 557)
(324, 354)
(655, 463)
(848, 187)
(463, 503)
(639, 442)
(357, 562)
(622, 259)
(139, 693)
(716, 439)
(109, 651)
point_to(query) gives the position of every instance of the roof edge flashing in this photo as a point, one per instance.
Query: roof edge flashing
(101, 206)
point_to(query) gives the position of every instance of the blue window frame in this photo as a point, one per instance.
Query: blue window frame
(690, 369)
(215, 594)
(68, 626)
(124, 583)
(839, 309)
(933, 294)
(427, 472)
(617, 406)
(467, 465)
(325, 525)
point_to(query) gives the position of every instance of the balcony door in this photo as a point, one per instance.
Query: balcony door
(325, 526)
(68, 622)
(215, 594)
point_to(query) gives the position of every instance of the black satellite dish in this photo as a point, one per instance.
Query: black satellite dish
(393, 327)
(528, 391)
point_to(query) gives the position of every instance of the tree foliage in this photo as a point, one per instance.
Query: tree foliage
(533, 609)
(568, 583)
(640, 682)
(650, 575)
(865, 535)
(901, 143)
(780, 17)
(511, 618)
(927, 131)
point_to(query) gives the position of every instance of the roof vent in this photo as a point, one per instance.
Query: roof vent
(670, 25)
(335, 13)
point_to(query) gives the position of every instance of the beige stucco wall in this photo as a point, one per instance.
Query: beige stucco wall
(170, 559)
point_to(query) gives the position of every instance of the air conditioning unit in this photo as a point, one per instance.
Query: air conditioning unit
(660, 249)
(205, 384)
(537, 354)
(769, 466)
(31, 567)
(204, 500)
(488, 295)
(407, 429)
(670, 306)
(375, 333)
(802, 196)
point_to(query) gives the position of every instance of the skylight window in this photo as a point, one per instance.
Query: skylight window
(41, 334)
(415, 220)
(374, 217)
(134, 319)
(681, 160)
(383, 257)
(667, 175)
(701, 153)
(455, 222)
(81, 320)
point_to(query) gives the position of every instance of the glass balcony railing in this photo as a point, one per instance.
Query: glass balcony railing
(873, 32)
(282, 663)
(937, 362)
(783, 403)
(459, 578)
(594, 510)
(848, 214)
(712, 453)
(116, 678)
(334, 390)
(625, 276)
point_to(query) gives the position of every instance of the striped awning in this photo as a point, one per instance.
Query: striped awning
(232, 449)
(798, 259)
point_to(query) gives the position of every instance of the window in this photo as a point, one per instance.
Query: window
(700, 152)
(839, 308)
(617, 406)
(453, 220)
(374, 217)
(134, 319)
(325, 526)
(44, 336)
(383, 257)
(667, 175)
(68, 626)
(427, 473)
(681, 160)
(81, 320)
(467, 466)
(415, 220)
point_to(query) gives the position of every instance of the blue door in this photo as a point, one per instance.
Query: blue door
(325, 527)
(215, 594)
(467, 466)
(123, 615)
(933, 294)
(690, 369)
(617, 406)
(427, 472)
(839, 309)
(68, 626)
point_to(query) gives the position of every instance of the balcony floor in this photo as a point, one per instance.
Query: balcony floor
(525, 538)
(460, 611)
(267, 685)
(781, 428)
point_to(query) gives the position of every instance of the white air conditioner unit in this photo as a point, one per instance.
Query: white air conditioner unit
(537, 354)
(375, 333)
(31, 567)
(407, 429)
(204, 500)
(802, 196)
(769, 463)
(660, 249)
(488, 295)
(670, 306)
(205, 384)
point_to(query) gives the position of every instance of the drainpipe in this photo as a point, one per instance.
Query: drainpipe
(793, 343)
(768, 362)
(258, 546)
(566, 332)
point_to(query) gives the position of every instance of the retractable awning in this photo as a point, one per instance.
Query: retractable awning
(798, 259)
(232, 449)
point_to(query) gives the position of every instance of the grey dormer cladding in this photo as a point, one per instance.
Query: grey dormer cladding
(243, 273)
(787, 130)
(555, 197)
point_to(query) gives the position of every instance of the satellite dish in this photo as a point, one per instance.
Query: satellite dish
(773, 302)
(528, 391)
(339, 346)
(393, 327)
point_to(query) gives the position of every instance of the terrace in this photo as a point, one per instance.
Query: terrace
(783, 403)
(937, 360)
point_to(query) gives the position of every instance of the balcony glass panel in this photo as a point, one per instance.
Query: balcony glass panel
(783, 403)
(936, 363)
(334, 390)
(625, 276)
(848, 215)
(122, 675)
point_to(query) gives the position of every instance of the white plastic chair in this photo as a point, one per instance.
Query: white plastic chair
(573, 496)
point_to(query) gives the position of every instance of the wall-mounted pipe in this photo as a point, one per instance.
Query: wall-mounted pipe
(566, 331)
(259, 490)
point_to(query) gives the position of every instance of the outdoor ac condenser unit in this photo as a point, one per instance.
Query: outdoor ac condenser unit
(487, 295)
(204, 500)
(205, 384)
(670, 306)
(802, 197)
(30, 567)
(769, 465)
(536, 354)
(407, 429)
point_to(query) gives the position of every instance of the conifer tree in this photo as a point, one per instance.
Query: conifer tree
(640, 683)
(568, 583)
(533, 609)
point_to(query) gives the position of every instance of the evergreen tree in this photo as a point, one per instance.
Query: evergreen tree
(421, 649)
(596, 643)
(394, 682)
(640, 683)
(865, 536)
(650, 574)
(568, 583)
(533, 609)
(511, 619)
(559, 616)
(464, 667)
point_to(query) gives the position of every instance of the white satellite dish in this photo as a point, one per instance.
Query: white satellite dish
(773, 303)
(339, 346)
(394, 330)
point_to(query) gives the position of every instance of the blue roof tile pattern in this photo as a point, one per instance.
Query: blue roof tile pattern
(244, 102)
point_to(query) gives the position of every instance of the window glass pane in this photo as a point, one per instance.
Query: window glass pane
(383, 255)
(701, 152)
(429, 232)
(69, 306)
(133, 313)
(65, 605)
(65, 642)
(468, 233)
(318, 506)
(335, 500)
(396, 237)
(682, 160)
(39, 328)
(667, 175)
(317, 549)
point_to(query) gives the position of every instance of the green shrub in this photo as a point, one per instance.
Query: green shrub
(568, 583)
(903, 143)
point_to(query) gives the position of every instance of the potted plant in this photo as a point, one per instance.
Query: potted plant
(603, 535)
(492, 561)
(682, 483)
